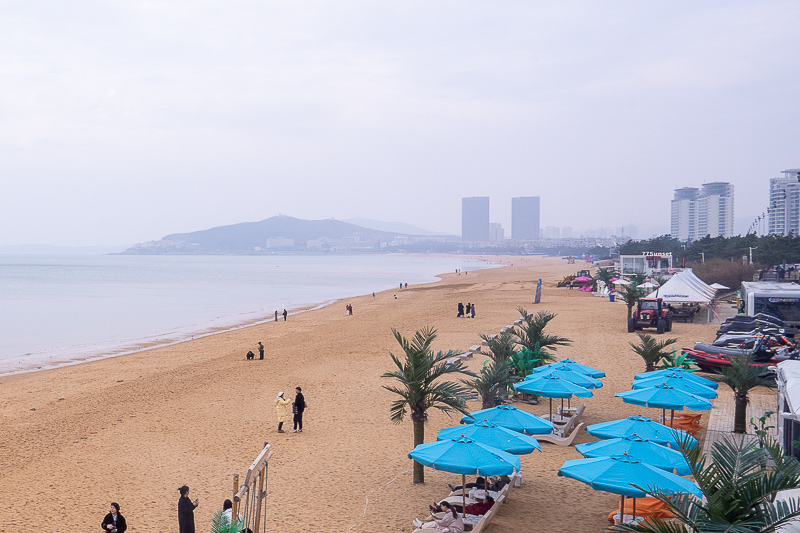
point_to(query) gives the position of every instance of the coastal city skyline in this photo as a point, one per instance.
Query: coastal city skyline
(128, 122)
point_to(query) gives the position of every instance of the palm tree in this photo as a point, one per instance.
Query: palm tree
(738, 491)
(638, 278)
(419, 385)
(742, 376)
(492, 382)
(651, 350)
(605, 275)
(501, 346)
(630, 294)
(524, 361)
(531, 332)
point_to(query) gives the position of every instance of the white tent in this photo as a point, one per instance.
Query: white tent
(684, 287)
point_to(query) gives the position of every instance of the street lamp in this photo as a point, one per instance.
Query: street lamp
(751, 253)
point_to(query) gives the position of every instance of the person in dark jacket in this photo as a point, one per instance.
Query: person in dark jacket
(114, 522)
(298, 407)
(186, 509)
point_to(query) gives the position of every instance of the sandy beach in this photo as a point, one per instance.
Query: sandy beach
(132, 429)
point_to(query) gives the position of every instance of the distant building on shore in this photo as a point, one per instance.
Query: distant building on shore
(525, 218)
(475, 219)
(784, 203)
(700, 212)
(496, 232)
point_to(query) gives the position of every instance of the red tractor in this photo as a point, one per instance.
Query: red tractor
(651, 313)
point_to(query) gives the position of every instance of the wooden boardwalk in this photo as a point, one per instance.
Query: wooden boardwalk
(720, 421)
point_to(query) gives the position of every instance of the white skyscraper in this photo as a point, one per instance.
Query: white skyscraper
(707, 211)
(784, 203)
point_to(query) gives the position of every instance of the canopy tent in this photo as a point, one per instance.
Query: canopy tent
(684, 287)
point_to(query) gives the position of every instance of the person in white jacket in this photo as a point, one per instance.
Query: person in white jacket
(450, 523)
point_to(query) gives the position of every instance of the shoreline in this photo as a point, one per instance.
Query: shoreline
(76, 355)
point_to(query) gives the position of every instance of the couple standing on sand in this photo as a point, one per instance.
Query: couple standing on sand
(298, 406)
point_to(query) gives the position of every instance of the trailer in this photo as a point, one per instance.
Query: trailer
(781, 300)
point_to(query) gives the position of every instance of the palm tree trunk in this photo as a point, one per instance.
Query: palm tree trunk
(740, 413)
(419, 438)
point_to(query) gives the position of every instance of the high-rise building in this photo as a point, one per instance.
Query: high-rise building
(525, 218)
(496, 233)
(784, 203)
(700, 212)
(475, 218)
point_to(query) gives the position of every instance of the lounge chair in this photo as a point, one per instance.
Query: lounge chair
(484, 523)
(564, 424)
(561, 441)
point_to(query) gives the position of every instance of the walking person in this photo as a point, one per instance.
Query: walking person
(297, 408)
(350, 309)
(260, 350)
(186, 509)
(114, 522)
(280, 407)
(285, 314)
(460, 310)
(472, 314)
(276, 316)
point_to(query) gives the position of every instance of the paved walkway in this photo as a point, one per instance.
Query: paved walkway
(720, 422)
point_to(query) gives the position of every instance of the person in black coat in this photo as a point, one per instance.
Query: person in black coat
(186, 509)
(114, 522)
(298, 407)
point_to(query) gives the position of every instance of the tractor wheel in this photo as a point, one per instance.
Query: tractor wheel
(669, 325)
(661, 325)
(631, 325)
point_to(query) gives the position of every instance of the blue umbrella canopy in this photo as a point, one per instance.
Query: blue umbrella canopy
(642, 426)
(509, 417)
(619, 473)
(678, 371)
(465, 456)
(665, 397)
(678, 382)
(640, 449)
(551, 386)
(498, 437)
(569, 364)
(577, 378)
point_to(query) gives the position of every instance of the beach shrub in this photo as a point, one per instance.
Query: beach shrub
(675, 360)
(222, 524)
(738, 490)
(742, 376)
(524, 361)
(500, 347)
(419, 383)
(531, 332)
(492, 382)
(651, 350)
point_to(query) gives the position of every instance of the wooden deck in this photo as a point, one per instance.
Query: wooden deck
(720, 422)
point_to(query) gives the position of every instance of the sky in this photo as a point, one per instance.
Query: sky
(123, 121)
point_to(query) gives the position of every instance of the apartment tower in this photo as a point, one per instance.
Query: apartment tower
(475, 218)
(700, 212)
(784, 203)
(525, 218)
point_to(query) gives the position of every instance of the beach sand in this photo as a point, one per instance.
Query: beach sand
(132, 429)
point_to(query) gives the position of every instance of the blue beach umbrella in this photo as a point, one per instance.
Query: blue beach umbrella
(509, 417)
(551, 386)
(569, 364)
(619, 473)
(678, 371)
(584, 380)
(640, 449)
(495, 436)
(465, 456)
(678, 382)
(642, 426)
(665, 397)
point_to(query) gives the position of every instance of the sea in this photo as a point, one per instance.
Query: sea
(57, 310)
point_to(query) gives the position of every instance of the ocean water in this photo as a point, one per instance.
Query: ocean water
(58, 310)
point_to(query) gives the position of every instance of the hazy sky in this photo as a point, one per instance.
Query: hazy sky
(125, 121)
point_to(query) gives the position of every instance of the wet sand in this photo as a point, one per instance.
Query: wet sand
(132, 429)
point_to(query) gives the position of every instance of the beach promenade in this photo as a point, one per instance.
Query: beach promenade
(133, 429)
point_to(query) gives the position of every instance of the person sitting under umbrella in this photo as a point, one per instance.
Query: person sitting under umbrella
(480, 508)
(450, 523)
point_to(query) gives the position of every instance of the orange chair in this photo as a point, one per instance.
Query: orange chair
(645, 507)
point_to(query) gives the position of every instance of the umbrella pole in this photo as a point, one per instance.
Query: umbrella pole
(463, 494)
(562, 406)
(551, 410)
(622, 510)
(672, 419)
(634, 508)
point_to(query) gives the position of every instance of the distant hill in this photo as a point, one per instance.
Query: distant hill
(252, 237)
(392, 227)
